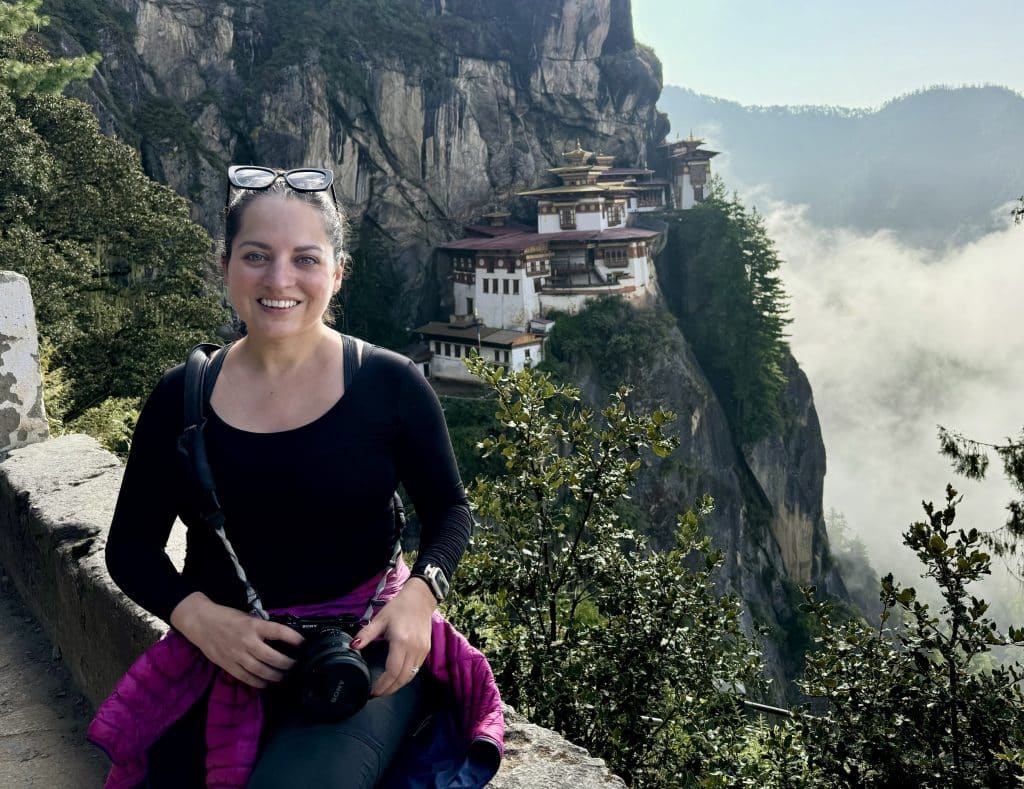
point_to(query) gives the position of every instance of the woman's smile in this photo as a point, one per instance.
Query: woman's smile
(283, 270)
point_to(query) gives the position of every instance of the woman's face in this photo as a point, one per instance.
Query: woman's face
(282, 271)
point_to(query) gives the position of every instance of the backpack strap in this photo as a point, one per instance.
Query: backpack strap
(191, 442)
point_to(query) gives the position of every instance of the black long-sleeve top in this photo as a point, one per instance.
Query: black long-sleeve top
(308, 510)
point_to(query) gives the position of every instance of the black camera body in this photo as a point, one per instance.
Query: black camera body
(330, 679)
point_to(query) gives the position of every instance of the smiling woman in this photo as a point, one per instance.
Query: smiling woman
(315, 538)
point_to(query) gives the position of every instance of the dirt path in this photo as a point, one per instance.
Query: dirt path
(42, 716)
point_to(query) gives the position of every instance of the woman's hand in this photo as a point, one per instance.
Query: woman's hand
(235, 641)
(404, 622)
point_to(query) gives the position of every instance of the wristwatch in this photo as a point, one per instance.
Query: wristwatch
(433, 576)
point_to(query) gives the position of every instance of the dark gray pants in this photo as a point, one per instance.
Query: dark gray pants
(354, 753)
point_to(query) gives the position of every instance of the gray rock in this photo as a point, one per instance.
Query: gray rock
(563, 765)
(22, 415)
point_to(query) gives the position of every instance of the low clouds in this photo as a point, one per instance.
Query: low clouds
(896, 340)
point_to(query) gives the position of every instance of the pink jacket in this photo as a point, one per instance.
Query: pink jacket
(171, 675)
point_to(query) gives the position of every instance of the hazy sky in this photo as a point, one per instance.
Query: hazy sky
(854, 54)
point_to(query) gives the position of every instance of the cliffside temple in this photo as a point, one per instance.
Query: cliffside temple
(506, 276)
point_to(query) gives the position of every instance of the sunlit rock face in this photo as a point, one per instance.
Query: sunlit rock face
(427, 112)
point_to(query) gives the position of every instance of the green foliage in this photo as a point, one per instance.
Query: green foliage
(851, 557)
(970, 459)
(719, 276)
(470, 422)
(24, 69)
(366, 300)
(919, 704)
(115, 264)
(630, 653)
(608, 337)
(112, 423)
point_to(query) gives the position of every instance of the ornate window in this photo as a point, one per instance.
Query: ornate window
(567, 218)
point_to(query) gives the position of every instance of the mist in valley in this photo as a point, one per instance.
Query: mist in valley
(896, 340)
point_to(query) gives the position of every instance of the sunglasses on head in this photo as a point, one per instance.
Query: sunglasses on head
(304, 179)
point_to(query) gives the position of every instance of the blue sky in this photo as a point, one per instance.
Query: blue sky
(844, 52)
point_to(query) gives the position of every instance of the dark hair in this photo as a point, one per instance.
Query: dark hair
(335, 225)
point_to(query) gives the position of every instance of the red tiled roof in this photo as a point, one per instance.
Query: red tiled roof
(520, 241)
(502, 230)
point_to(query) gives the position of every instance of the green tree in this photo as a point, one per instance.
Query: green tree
(117, 269)
(719, 273)
(24, 69)
(971, 460)
(919, 702)
(632, 654)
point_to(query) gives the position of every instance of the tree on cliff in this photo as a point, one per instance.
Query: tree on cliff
(719, 274)
(633, 654)
(115, 264)
(918, 701)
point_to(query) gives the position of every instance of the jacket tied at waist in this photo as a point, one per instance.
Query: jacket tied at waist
(464, 750)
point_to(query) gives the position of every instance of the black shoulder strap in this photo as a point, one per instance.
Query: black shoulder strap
(351, 361)
(191, 442)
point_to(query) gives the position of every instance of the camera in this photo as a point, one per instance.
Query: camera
(331, 680)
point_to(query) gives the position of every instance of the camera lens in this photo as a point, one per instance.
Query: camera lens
(335, 680)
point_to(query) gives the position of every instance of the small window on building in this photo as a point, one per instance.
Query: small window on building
(497, 355)
(437, 346)
(447, 349)
(567, 218)
(504, 286)
(527, 352)
(485, 284)
(515, 286)
(469, 306)
(505, 354)
(458, 351)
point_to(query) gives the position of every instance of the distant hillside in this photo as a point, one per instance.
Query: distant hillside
(932, 165)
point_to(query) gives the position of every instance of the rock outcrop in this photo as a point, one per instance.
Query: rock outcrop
(767, 520)
(22, 417)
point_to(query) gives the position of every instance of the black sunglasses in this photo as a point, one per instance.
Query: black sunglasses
(304, 179)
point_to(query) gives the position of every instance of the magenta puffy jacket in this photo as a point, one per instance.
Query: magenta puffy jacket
(464, 750)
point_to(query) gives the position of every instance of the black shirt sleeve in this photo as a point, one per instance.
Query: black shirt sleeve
(146, 506)
(426, 467)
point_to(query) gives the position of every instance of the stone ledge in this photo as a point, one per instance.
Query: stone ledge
(56, 501)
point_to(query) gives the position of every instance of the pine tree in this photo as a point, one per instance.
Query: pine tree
(115, 264)
(722, 283)
(33, 71)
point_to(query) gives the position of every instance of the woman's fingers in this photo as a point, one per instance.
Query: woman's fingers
(401, 668)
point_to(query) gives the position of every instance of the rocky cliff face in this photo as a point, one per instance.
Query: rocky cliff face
(768, 513)
(426, 111)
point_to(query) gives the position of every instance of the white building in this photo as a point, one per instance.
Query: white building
(507, 276)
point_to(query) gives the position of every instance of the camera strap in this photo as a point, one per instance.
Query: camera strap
(201, 370)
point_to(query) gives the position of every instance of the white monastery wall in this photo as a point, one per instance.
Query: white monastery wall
(590, 220)
(548, 223)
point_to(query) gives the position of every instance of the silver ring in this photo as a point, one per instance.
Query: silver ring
(414, 669)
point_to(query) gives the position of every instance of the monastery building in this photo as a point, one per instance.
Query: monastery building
(506, 277)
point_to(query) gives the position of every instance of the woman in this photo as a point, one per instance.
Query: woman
(305, 473)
